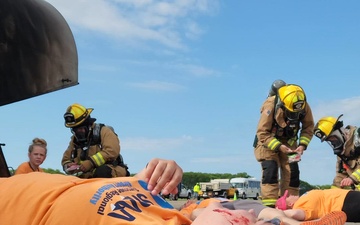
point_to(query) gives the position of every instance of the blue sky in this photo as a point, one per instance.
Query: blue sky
(185, 79)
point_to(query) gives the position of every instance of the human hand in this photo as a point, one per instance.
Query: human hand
(161, 175)
(86, 166)
(285, 149)
(82, 168)
(300, 149)
(71, 168)
(346, 182)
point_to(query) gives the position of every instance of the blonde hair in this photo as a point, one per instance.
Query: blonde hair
(38, 142)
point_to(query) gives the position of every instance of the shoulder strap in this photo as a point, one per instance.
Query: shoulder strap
(96, 138)
(96, 132)
(277, 104)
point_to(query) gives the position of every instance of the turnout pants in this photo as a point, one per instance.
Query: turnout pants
(273, 185)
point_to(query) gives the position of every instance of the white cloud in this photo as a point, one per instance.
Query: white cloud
(193, 30)
(136, 3)
(349, 107)
(182, 68)
(138, 20)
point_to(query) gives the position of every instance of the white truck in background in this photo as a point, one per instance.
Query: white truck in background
(246, 187)
(217, 188)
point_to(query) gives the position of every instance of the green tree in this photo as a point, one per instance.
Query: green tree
(327, 186)
(304, 187)
(52, 171)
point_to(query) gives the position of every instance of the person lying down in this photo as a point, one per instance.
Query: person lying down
(56, 199)
(224, 211)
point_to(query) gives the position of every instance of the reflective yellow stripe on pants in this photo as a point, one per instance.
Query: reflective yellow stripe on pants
(269, 202)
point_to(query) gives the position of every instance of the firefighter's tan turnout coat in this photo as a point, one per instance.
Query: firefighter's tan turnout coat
(274, 130)
(105, 152)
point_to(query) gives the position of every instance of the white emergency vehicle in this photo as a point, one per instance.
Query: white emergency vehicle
(246, 187)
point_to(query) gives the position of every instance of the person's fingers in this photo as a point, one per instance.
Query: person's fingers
(170, 176)
(172, 186)
(147, 173)
(163, 175)
(82, 168)
(346, 182)
(153, 172)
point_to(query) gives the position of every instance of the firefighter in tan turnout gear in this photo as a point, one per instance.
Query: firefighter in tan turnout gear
(345, 142)
(94, 149)
(284, 131)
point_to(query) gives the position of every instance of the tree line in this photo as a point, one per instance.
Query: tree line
(191, 178)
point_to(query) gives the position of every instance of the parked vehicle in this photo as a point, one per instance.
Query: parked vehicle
(203, 187)
(183, 192)
(217, 188)
(246, 187)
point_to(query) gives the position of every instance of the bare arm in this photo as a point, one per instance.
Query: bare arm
(285, 216)
(296, 214)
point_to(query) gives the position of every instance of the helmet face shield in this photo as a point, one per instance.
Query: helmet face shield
(80, 133)
(336, 141)
(292, 116)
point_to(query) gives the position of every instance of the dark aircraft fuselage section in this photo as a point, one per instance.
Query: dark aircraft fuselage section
(37, 50)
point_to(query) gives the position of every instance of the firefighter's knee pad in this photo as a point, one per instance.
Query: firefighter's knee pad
(103, 171)
(270, 172)
(294, 175)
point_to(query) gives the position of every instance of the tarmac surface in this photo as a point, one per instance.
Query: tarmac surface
(177, 204)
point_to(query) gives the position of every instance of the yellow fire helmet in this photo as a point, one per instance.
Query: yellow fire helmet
(326, 125)
(76, 114)
(292, 97)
